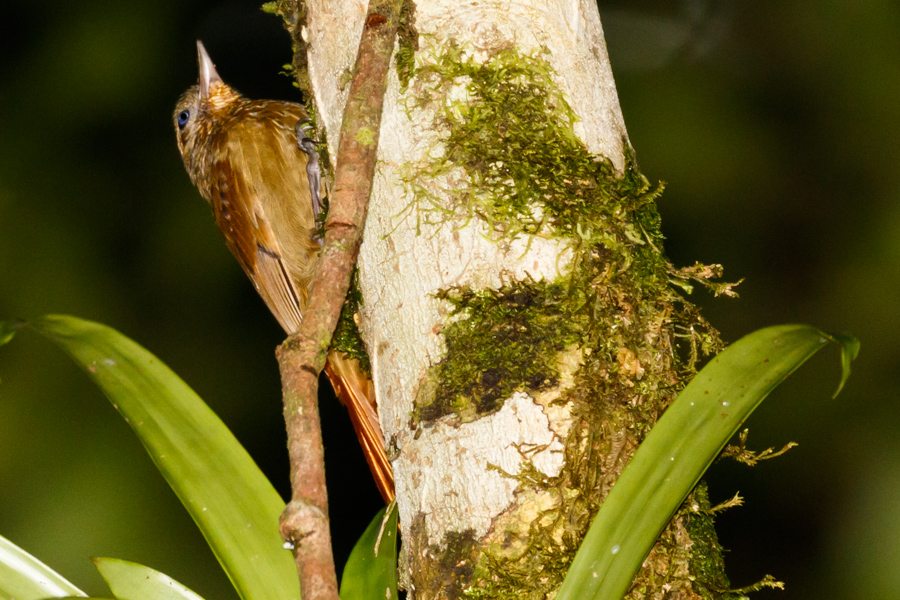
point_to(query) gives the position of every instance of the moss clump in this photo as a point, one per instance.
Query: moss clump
(707, 564)
(454, 561)
(346, 335)
(512, 131)
(407, 43)
(500, 341)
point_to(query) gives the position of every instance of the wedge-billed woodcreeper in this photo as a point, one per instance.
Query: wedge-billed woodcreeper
(254, 164)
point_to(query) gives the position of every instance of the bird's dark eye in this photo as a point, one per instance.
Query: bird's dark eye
(183, 118)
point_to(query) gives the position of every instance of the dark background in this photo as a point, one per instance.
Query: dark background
(774, 125)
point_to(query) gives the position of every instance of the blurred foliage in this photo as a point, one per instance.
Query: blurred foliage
(774, 125)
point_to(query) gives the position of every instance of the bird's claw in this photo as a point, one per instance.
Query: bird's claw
(313, 170)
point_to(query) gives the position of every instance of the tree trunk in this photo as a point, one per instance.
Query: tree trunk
(517, 309)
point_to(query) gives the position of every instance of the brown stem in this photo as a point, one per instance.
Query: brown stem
(304, 523)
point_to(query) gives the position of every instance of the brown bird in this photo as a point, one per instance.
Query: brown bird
(252, 161)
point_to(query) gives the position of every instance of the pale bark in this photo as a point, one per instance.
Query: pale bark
(401, 269)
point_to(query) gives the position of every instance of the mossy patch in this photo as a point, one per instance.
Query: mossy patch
(346, 335)
(407, 43)
(498, 342)
(509, 128)
(708, 564)
(451, 565)
(508, 155)
(707, 561)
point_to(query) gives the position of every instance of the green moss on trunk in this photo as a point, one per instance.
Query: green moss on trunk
(510, 138)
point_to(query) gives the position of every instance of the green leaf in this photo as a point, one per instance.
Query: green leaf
(229, 498)
(849, 352)
(23, 577)
(131, 581)
(678, 450)
(371, 574)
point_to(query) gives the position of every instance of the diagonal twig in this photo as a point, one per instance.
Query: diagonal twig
(304, 523)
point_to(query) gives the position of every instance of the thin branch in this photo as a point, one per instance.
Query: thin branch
(304, 523)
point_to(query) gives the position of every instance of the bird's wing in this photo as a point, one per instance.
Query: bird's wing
(250, 239)
(276, 288)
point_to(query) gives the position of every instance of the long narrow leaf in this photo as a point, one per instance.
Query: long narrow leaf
(371, 570)
(229, 498)
(23, 577)
(679, 449)
(133, 581)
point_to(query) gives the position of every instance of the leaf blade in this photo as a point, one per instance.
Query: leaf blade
(132, 581)
(230, 500)
(24, 577)
(849, 352)
(371, 575)
(678, 450)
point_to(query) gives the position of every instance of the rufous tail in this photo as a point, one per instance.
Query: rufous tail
(356, 392)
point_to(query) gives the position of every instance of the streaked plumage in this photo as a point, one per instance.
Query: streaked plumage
(244, 158)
